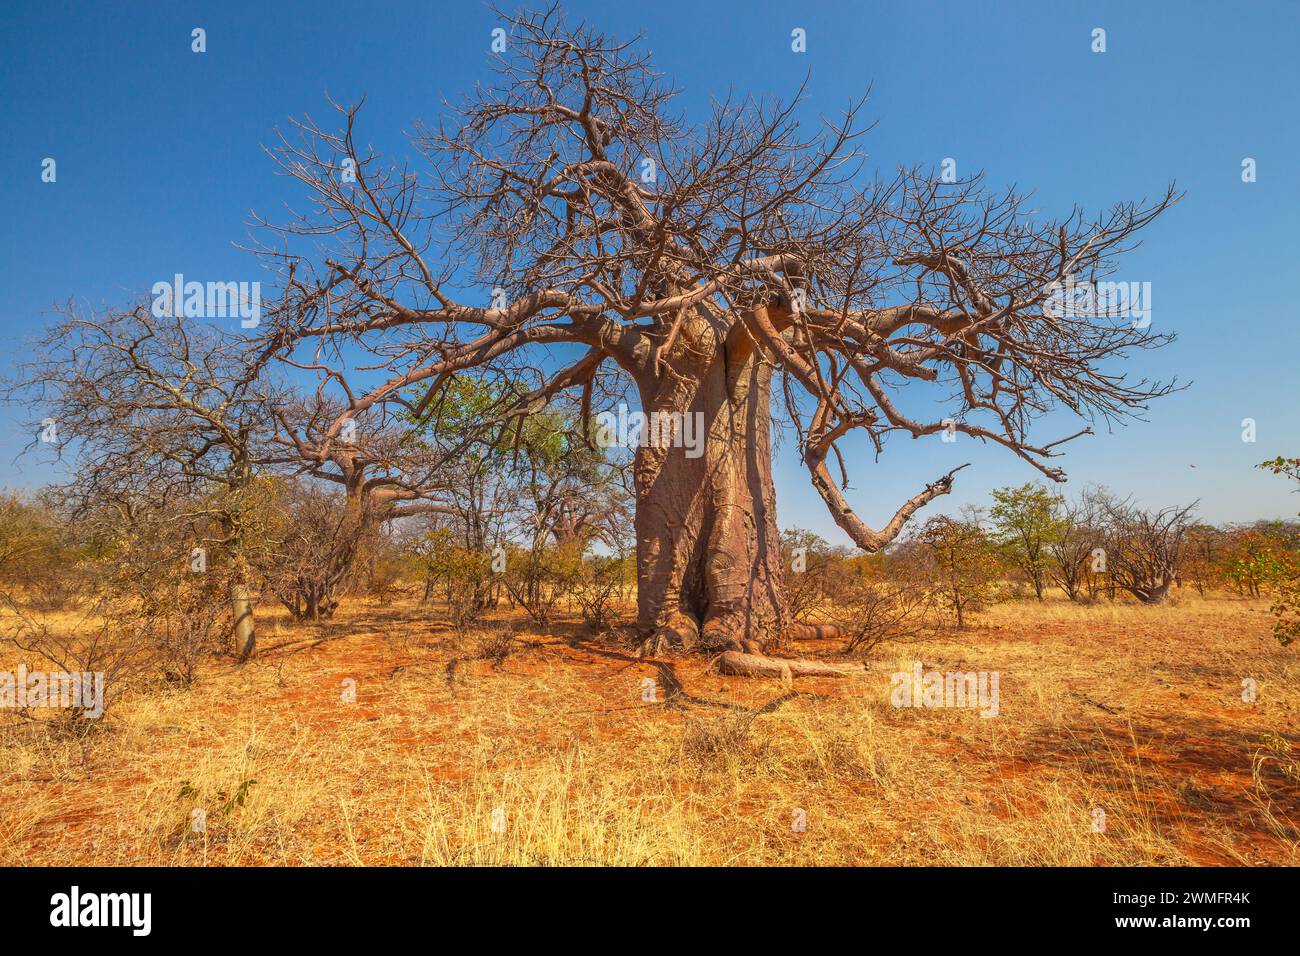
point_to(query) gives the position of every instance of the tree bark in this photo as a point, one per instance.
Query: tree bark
(1153, 594)
(241, 609)
(242, 627)
(709, 565)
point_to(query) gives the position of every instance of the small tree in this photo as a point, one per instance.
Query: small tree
(320, 539)
(1203, 556)
(1254, 556)
(1026, 522)
(538, 576)
(1071, 549)
(599, 588)
(869, 605)
(964, 564)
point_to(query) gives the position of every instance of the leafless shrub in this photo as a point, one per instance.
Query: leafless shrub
(598, 588)
(52, 588)
(185, 635)
(102, 641)
(538, 578)
(495, 645)
(871, 611)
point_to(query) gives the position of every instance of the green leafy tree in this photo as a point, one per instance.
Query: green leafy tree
(1026, 522)
(1257, 556)
(1286, 600)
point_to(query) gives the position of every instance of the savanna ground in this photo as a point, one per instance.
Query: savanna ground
(1137, 711)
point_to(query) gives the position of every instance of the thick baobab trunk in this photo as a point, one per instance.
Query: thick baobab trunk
(708, 548)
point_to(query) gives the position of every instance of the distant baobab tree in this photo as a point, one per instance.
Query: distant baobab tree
(716, 268)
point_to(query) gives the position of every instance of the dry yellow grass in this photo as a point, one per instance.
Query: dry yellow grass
(550, 756)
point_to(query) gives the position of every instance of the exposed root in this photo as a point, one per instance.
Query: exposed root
(680, 631)
(653, 646)
(739, 664)
(745, 657)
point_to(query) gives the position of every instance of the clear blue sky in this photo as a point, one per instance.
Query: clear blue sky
(159, 163)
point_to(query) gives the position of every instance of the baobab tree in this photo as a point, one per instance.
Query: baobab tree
(1144, 549)
(565, 220)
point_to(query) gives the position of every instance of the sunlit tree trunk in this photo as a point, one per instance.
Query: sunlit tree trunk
(708, 548)
(242, 625)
